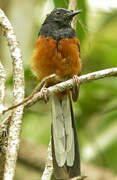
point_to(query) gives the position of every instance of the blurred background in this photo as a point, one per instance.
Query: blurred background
(96, 109)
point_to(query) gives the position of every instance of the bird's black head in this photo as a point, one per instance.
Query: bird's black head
(61, 16)
(58, 24)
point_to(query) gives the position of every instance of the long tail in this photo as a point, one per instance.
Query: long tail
(66, 158)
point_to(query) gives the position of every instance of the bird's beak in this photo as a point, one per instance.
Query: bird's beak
(74, 13)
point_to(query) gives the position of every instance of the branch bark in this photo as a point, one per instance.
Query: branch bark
(3, 127)
(47, 174)
(18, 76)
(70, 83)
(2, 83)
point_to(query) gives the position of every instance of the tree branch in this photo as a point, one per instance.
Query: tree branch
(2, 83)
(32, 99)
(70, 83)
(18, 76)
(49, 166)
(3, 127)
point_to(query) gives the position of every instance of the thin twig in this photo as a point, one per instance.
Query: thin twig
(18, 92)
(37, 88)
(49, 166)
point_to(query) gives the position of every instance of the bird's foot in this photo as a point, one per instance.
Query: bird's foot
(44, 92)
(75, 89)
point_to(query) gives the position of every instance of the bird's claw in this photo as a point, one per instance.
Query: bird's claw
(44, 92)
(75, 89)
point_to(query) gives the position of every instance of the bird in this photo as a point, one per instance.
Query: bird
(57, 51)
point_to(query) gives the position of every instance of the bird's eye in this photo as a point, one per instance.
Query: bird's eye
(57, 12)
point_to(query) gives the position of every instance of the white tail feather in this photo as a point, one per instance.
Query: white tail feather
(62, 131)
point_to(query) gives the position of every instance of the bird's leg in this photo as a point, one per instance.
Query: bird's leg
(44, 92)
(75, 89)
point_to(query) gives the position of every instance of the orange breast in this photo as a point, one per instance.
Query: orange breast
(50, 57)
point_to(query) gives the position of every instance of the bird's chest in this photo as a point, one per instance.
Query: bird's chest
(56, 57)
